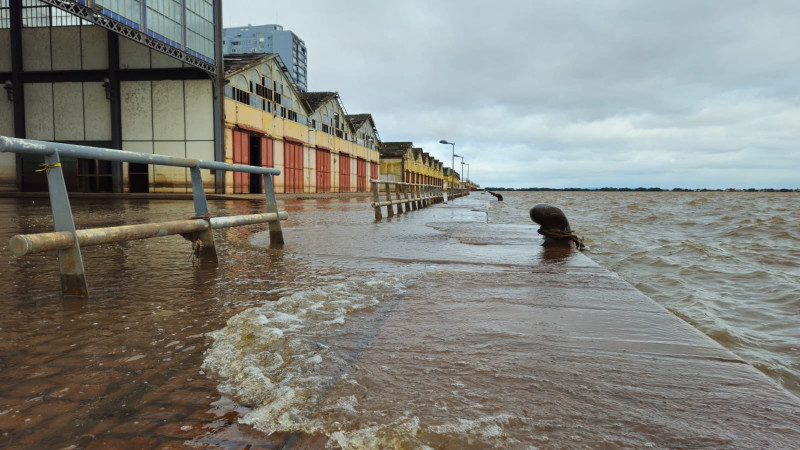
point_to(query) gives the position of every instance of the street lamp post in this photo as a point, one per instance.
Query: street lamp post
(462, 167)
(468, 174)
(452, 163)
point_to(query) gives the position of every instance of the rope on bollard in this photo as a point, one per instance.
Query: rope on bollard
(563, 235)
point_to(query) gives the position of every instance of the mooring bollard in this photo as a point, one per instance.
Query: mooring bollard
(554, 226)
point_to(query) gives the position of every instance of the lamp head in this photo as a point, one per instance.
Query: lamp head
(445, 142)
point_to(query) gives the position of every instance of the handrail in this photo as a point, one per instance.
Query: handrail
(44, 148)
(414, 196)
(67, 240)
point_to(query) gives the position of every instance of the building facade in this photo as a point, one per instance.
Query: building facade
(119, 85)
(304, 134)
(402, 162)
(271, 39)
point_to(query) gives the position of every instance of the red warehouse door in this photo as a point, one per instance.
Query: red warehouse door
(267, 156)
(361, 175)
(241, 155)
(373, 171)
(293, 166)
(323, 170)
(344, 173)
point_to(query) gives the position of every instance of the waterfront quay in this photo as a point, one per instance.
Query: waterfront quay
(491, 341)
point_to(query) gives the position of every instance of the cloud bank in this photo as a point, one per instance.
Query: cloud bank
(561, 93)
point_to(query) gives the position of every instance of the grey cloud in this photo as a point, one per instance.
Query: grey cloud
(580, 93)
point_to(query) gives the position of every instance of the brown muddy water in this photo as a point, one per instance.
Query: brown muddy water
(726, 262)
(169, 354)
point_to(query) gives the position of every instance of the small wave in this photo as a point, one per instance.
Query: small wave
(275, 358)
(774, 220)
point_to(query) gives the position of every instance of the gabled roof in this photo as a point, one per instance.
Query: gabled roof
(426, 158)
(418, 153)
(235, 63)
(316, 99)
(396, 149)
(358, 119)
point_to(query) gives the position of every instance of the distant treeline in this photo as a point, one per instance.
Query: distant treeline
(640, 189)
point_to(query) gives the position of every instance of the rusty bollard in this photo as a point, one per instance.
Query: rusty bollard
(554, 226)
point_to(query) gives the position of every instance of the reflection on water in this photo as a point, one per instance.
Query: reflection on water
(302, 338)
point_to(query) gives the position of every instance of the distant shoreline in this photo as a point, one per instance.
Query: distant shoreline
(641, 189)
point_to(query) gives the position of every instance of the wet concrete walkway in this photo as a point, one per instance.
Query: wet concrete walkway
(577, 357)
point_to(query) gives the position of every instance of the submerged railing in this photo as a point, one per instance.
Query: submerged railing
(412, 195)
(68, 241)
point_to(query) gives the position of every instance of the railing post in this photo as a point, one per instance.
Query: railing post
(389, 198)
(376, 199)
(207, 251)
(397, 194)
(70, 262)
(275, 232)
(418, 192)
(405, 197)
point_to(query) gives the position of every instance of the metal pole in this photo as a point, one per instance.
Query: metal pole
(207, 251)
(32, 147)
(462, 171)
(218, 92)
(452, 174)
(26, 244)
(70, 262)
(275, 232)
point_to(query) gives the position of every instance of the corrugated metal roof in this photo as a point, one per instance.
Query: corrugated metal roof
(239, 62)
(315, 99)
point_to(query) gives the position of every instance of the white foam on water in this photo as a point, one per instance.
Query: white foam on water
(395, 434)
(486, 428)
(274, 359)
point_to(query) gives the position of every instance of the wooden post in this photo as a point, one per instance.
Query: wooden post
(389, 198)
(397, 194)
(376, 200)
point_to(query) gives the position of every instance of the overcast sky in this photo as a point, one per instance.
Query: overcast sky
(620, 93)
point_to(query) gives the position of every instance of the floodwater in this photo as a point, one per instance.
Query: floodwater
(726, 262)
(166, 353)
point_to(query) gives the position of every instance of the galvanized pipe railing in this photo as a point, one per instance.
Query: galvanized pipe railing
(26, 244)
(68, 241)
(412, 195)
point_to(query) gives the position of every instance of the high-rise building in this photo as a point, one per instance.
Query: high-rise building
(270, 39)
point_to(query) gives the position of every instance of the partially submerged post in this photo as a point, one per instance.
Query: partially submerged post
(554, 226)
(414, 196)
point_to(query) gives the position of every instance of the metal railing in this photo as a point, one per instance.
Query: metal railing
(68, 241)
(413, 196)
